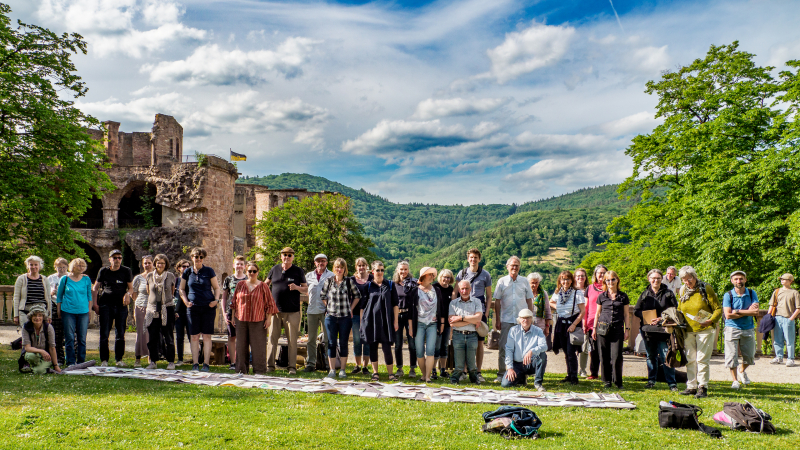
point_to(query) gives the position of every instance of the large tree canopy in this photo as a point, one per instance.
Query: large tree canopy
(718, 179)
(49, 167)
(316, 224)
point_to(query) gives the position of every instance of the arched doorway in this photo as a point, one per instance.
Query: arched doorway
(93, 261)
(138, 208)
(92, 218)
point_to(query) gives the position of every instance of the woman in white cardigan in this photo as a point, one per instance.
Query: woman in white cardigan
(31, 288)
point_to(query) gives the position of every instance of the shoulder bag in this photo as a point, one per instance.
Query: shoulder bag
(577, 337)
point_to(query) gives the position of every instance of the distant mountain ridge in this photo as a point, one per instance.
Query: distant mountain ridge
(416, 231)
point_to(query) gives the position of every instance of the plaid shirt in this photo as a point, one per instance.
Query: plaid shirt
(337, 297)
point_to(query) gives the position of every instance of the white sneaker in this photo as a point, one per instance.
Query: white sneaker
(481, 379)
(541, 388)
(777, 360)
(342, 374)
(104, 364)
(583, 374)
(121, 364)
(735, 385)
(790, 363)
(171, 366)
(151, 366)
(499, 379)
(745, 379)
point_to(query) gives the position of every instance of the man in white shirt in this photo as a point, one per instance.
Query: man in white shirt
(316, 309)
(512, 294)
(671, 280)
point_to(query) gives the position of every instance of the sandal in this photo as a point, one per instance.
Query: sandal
(392, 378)
(376, 377)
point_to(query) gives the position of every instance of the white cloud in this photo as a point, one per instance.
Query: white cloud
(211, 65)
(558, 175)
(110, 26)
(779, 54)
(137, 112)
(525, 51)
(651, 60)
(432, 108)
(641, 122)
(397, 137)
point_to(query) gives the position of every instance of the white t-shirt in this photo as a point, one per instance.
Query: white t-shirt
(567, 303)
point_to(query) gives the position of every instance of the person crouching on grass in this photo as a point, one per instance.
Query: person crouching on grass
(39, 341)
(524, 347)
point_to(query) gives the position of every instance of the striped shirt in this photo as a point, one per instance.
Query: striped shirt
(35, 293)
(338, 298)
(253, 306)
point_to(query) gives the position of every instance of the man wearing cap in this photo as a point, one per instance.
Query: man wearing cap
(39, 341)
(316, 309)
(524, 347)
(287, 282)
(111, 294)
(739, 305)
(512, 294)
(465, 313)
(785, 307)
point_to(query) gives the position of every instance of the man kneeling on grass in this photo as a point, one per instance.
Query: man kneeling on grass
(465, 313)
(524, 349)
(39, 341)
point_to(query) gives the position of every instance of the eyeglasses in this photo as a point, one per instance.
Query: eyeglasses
(252, 271)
(611, 279)
(198, 257)
(185, 267)
(447, 278)
(380, 270)
(785, 279)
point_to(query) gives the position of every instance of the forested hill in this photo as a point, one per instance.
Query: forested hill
(437, 233)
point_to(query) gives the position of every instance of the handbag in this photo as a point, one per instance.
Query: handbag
(602, 328)
(482, 329)
(493, 340)
(577, 337)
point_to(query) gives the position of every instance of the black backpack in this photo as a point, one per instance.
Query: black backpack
(512, 422)
(683, 416)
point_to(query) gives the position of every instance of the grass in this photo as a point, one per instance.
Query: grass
(53, 412)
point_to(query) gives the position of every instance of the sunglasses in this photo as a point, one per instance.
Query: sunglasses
(198, 257)
(380, 270)
(252, 271)
(185, 267)
(287, 254)
(116, 257)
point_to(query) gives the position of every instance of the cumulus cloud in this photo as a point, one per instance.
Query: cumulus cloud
(397, 137)
(432, 108)
(779, 54)
(556, 175)
(244, 113)
(651, 60)
(641, 122)
(525, 51)
(137, 112)
(211, 65)
(131, 27)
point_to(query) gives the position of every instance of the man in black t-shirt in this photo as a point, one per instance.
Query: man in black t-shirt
(111, 294)
(287, 282)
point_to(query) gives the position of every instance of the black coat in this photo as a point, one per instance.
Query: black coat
(377, 322)
(659, 301)
(442, 307)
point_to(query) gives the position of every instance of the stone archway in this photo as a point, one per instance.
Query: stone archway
(138, 197)
(93, 262)
(92, 218)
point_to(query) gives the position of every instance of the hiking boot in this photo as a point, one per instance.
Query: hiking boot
(309, 369)
(650, 384)
(702, 392)
(776, 360)
(399, 372)
(790, 363)
(689, 391)
(413, 372)
(735, 385)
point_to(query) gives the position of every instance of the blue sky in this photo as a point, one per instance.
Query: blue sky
(427, 101)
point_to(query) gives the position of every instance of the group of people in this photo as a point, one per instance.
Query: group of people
(586, 318)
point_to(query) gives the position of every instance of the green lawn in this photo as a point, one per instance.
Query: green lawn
(52, 412)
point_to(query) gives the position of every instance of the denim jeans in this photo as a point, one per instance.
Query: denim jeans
(338, 334)
(657, 356)
(116, 316)
(360, 347)
(465, 347)
(402, 327)
(535, 368)
(75, 326)
(784, 335)
(425, 339)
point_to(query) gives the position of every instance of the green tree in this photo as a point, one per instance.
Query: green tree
(316, 224)
(718, 179)
(49, 165)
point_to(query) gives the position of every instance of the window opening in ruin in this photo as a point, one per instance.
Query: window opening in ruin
(138, 208)
(129, 259)
(93, 260)
(92, 218)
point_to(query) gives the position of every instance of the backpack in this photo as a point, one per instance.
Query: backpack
(512, 422)
(683, 416)
(745, 417)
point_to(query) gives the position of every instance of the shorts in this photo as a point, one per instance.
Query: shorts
(201, 319)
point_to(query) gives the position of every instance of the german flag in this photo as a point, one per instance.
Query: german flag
(238, 156)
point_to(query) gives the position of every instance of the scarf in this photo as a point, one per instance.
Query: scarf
(538, 302)
(562, 299)
(160, 295)
(687, 292)
(427, 302)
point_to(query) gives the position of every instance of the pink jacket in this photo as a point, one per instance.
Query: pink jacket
(592, 292)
